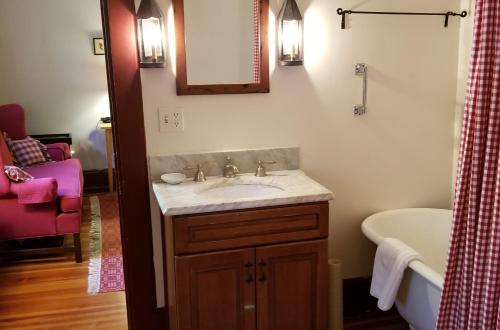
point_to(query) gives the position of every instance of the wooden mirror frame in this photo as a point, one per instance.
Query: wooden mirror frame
(182, 85)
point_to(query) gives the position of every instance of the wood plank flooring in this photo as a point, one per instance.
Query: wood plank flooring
(50, 292)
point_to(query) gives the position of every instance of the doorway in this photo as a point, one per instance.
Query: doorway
(131, 176)
(57, 285)
(54, 69)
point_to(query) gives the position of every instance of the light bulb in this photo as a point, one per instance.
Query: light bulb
(291, 38)
(151, 36)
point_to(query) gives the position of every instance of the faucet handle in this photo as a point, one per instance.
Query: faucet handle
(230, 170)
(199, 176)
(261, 170)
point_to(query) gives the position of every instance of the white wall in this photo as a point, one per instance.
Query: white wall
(48, 66)
(399, 155)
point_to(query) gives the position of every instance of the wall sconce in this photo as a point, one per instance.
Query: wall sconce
(151, 32)
(290, 34)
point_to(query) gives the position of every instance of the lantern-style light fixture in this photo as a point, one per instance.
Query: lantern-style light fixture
(151, 32)
(290, 34)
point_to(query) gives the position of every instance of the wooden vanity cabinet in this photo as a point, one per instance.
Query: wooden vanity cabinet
(292, 286)
(251, 283)
(216, 290)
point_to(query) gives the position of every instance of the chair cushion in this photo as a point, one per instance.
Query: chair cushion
(68, 174)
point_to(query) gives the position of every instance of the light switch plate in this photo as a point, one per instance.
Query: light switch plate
(171, 119)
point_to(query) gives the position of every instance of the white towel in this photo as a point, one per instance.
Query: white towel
(391, 260)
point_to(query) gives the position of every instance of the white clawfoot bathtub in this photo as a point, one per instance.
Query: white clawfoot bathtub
(427, 231)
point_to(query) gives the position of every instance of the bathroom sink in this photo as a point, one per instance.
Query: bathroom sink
(245, 191)
(240, 191)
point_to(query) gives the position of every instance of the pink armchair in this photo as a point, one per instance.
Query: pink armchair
(49, 205)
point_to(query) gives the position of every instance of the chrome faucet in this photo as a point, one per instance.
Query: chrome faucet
(261, 170)
(230, 170)
(199, 176)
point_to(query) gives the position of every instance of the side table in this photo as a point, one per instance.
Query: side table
(108, 132)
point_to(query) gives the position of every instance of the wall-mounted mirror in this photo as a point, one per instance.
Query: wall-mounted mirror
(222, 46)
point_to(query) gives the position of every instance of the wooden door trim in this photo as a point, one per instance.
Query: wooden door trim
(125, 92)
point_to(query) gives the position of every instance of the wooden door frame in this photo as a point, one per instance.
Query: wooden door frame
(125, 93)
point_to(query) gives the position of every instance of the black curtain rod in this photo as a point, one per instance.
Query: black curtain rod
(343, 12)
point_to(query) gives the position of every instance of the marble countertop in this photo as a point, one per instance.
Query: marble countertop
(290, 187)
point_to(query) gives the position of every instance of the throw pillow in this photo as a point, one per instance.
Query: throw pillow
(15, 174)
(45, 152)
(4, 150)
(27, 152)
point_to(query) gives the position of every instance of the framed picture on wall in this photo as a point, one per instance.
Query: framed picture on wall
(98, 46)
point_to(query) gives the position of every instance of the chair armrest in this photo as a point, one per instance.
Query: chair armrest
(59, 151)
(35, 191)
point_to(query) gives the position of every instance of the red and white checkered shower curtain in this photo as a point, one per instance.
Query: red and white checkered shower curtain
(471, 293)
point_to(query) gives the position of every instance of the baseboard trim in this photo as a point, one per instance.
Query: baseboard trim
(96, 181)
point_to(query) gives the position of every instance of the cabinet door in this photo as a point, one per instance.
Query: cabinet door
(216, 291)
(292, 286)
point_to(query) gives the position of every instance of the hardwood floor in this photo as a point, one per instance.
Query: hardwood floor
(50, 292)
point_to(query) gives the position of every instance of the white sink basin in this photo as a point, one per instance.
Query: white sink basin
(240, 191)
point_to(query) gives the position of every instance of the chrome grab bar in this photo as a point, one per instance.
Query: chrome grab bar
(361, 70)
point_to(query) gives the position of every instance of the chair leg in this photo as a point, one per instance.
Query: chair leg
(78, 247)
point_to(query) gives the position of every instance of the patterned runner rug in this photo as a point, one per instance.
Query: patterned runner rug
(105, 252)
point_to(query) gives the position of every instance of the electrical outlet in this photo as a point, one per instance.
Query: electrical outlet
(171, 120)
